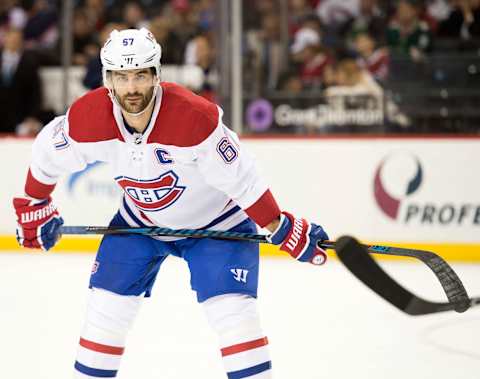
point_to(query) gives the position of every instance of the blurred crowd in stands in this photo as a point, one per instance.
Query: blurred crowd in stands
(333, 41)
(333, 47)
(30, 37)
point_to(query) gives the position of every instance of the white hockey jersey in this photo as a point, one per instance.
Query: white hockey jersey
(187, 170)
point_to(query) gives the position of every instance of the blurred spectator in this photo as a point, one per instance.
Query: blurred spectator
(20, 88)
(255, 10)
(184, 20)
(161, 28)
(265, 7)
(206, 14)
(439, 10)
(12, 15)
(311, 21)
(351, 79)
(375, 60)
(407, 34)
(95, 12)
(134, 16)
(291, 83)
(84, 42)
(37, 19)
(291, 90)
(298, 11)
(202, 55)
(355, 88)
(268, 52)
(335, 14)
(463, 22)
(313, 61)
(41, 30)
(93, 76)
(370, 19)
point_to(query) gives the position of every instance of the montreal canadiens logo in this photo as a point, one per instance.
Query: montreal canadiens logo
(152, 195)
(397, 177)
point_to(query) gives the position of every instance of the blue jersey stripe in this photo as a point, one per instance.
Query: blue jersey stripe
(216, 221)
(96, 372)
(245, 373)
(132, 215)
(223, 217)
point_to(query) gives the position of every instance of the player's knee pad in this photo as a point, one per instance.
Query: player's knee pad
(233, 317)
(110, 314)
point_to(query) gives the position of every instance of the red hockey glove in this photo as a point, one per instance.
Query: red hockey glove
(299, 238)
(38, 223)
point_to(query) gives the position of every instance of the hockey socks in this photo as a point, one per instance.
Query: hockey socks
(247, 359)
(109, 317)
(244, 348)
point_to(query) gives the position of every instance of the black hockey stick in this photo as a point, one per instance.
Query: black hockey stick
(449, 280)
(358, 260)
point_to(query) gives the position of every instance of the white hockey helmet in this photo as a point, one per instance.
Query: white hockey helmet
(130, 49)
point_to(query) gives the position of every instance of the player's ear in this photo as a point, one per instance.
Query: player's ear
(107, 79)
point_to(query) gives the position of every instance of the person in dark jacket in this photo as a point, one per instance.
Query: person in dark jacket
(20, 87)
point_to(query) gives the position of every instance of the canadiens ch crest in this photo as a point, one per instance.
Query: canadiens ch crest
(154, 194)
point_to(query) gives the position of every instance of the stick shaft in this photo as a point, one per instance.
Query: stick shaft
(449, 280)
(165, 232)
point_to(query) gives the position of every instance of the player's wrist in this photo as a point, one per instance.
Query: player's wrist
(281, 231)
(274, 224)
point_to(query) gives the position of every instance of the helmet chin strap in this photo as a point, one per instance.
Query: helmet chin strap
(111, 93)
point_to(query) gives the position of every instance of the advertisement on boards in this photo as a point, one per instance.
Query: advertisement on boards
(390, 190)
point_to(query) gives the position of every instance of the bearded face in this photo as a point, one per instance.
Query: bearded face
(133, 89)
(135, 102)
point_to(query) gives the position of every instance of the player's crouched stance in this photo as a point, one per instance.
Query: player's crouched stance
(168, 148)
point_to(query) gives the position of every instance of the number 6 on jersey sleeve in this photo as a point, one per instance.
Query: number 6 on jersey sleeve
(227, 150)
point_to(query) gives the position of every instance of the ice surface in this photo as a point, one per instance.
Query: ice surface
(321, 322)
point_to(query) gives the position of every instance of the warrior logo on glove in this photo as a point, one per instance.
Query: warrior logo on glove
(38, 214)
(38, 223)
(299, 238)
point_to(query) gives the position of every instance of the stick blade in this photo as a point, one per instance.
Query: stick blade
(361, 264)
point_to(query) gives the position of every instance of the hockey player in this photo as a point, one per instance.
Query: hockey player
(179, 167)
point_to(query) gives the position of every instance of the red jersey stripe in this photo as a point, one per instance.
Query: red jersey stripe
(113, 350)
(234, 349)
